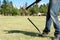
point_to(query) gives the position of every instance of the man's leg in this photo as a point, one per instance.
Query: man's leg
(48, 23)
(47, 26)
(54, 15)
(48, 20)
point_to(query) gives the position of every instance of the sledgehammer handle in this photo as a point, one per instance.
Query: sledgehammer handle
(33, 4)
(34, 25)
(30, 5)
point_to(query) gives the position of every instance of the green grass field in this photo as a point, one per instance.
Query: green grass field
(19, 28)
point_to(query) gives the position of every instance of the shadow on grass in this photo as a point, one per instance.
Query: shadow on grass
(24, 32)
(20, 31)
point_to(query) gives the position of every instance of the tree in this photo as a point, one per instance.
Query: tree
(10, 8)
(26, 4)
(26, 13)
(0, 6)
(23, 11)
(34, 10)
(43, 8)
(15, 11)
(4, 7)
(7, 8)
(0, 3)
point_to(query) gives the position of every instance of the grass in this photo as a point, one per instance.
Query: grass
(19, 28)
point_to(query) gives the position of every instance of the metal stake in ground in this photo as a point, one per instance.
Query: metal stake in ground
(34, 25)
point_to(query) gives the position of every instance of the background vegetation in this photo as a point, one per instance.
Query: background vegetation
(7, 9)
